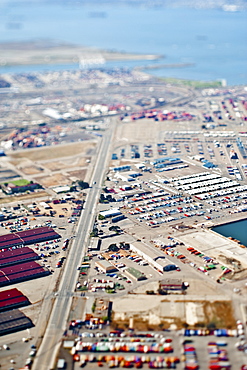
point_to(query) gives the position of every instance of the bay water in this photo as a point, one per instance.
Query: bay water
(213, 40)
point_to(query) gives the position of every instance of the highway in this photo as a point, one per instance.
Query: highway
(48, 350)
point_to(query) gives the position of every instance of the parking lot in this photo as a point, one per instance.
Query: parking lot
(92, 350)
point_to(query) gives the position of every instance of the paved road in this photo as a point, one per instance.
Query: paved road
(48, 350)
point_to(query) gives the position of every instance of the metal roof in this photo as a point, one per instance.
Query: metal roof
(21, 272)
(17, 255)
(13, 321)
(28, 237)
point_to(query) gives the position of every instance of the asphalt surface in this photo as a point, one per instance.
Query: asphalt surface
(48, 350)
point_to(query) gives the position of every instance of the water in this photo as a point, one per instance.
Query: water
(237, 230)
(212, 39)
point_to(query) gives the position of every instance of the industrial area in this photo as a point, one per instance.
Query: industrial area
(114, 187)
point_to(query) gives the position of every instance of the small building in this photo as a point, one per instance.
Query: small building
(61, 189)
(95, 244)
(135, 274)
(109, 255)
(118, 218)
(45, 205)
(105, 266)
(110, 213)
(167, 285)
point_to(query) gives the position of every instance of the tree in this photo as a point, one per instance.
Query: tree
(113, 248)
(83, 184)
(94, 306)
(115, 228)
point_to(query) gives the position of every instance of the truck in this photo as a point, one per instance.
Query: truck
(65, 244)
(61, 364)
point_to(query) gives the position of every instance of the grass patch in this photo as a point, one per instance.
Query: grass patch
(192, 83)
(21, 182)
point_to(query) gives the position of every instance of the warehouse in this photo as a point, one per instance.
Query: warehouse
(61, 189)
(17, 255)
(21, 272)
(105, 266)
(39, 234)
(135, 274)
(13, 321)
(10, 240)
(45, 205)
(152, 255)
(167, 285)
(110, 213)
(12, 298)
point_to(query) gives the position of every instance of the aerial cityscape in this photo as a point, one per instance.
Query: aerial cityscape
(123, 168)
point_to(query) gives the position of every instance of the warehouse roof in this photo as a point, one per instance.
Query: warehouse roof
(138, 275)
(12, 298)
(28, 237)
(13, 321)
(21, 272)
(105, 264)
(171, 282)
(110, 213)
(17, 255)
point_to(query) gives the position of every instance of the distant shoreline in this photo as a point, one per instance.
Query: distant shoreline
(46, 52)
(161, 66)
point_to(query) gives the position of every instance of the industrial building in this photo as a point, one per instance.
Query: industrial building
(61, 189)
(105, 266)
(167, 285)
(17, 255)
(110, 213)
(36, 235)
(152, 255)
(127, 176)
(13, 321)
(135, 274)
(21, 272)
(12, 298)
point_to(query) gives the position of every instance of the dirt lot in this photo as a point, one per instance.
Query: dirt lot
(219, 313)
(32, 170)
(53, 180)
(66, 163)
(78, 174)
(21, 197)
(174, 310)
(59, 151)
(141, 132)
